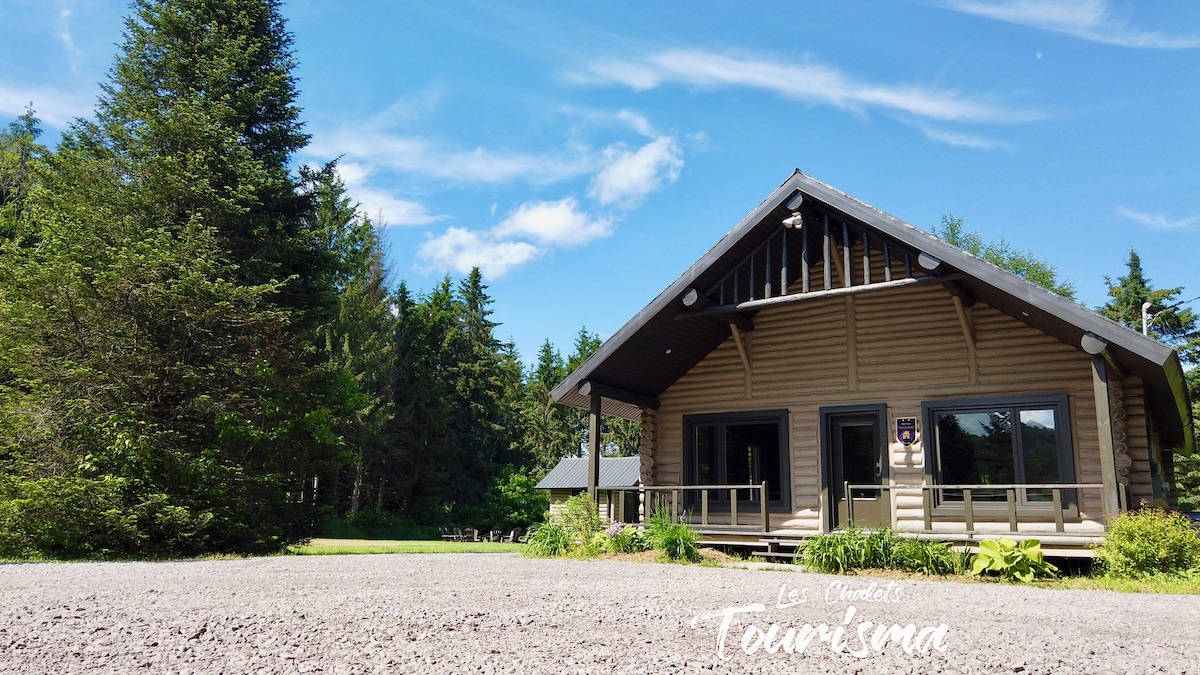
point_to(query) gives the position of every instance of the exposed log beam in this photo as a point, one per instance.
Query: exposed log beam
(1108, 464)
(1097, 346)
(745, 356)
(955, 288)
(967, 321)
(590, 388)
(700, 302)
(928, 262)
(593, 445)
(723, 310)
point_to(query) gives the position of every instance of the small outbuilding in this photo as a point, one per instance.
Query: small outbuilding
(570, 477)
(827, 364)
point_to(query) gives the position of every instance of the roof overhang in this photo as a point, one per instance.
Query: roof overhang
(652, 350)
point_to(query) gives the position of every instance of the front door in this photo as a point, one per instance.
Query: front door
(856, 454)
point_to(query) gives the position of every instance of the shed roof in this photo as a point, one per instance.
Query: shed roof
(652, 350)
(571, 473)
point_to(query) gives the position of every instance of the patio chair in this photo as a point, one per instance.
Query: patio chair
(458, 535)
(472, 535)
(513, 536)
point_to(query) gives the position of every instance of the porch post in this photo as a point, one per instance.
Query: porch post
(594, 447)
(1108, 467)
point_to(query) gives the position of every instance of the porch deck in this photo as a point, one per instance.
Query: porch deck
(962, 515)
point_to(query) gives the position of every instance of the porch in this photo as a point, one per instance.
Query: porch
(964, 515)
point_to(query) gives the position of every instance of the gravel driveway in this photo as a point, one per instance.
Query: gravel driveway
(499, 613)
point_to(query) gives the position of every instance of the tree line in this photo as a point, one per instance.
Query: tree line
(200, 348)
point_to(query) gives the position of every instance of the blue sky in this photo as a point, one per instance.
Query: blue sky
(583, 154)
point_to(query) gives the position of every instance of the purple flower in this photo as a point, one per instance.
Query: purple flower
(616, 528)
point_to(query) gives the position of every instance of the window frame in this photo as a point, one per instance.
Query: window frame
(721, 420)
(1064, 447)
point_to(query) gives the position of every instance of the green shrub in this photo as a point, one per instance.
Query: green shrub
(852, 549)
(834, 553)
(548, 540)
(675, 541)
(1148, 542)
(1013, 561)
(581, 519)
(928, 557)
(624, 538)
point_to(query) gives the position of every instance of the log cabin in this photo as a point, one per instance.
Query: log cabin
(826, 364)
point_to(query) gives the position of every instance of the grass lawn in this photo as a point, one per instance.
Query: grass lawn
(355, 546)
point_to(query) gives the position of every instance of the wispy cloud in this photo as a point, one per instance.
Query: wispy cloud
(807, 81)
(1092, 20)
(381, 205)
(629, 176)
(56, 108)
(1158, 221)
(431, 159)
(529, 232)
(67, 39)
(958, 139)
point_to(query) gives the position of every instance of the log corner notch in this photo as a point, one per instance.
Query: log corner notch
(695, 301)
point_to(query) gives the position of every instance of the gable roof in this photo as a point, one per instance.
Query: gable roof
(652, 350)
(571, 473)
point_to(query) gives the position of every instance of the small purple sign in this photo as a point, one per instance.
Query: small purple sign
(906, 430)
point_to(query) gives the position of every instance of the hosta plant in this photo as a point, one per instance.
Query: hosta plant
(1011, 560)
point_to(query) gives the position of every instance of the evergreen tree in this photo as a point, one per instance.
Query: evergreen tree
(359, 340)
(1002, 254)
(1174, 325)
(169, 394)
(618, 437)
(547, 431)
(1171, 323)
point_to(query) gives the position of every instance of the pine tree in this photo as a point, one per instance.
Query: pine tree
(171, 396)
(1170, 323)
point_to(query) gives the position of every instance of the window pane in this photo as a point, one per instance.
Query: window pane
(860, 458)
(706, 454)
(976, 448)
(752, 456)
(1039, 450)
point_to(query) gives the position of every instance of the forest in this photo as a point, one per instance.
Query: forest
(202, 349)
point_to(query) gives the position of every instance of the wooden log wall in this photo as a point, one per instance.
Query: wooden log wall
(900, 347)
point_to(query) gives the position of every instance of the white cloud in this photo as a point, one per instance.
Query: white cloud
(413, 154)
(384, 207)
(629, 176)
(1087, 19)
(809, 82)
(55, 108)
(459, 250)
(1157, 221)
(958, 139)
(67, 40)
(530, 231)
(638, 122)
(559, 223)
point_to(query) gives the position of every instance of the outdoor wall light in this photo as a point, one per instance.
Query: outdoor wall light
(795, 222)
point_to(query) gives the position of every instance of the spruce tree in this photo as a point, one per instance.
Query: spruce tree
(170, 395)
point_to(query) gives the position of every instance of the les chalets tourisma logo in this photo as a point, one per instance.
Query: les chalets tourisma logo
(860, 638)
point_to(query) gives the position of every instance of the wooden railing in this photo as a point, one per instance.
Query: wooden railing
(672, 497)
(968, 503)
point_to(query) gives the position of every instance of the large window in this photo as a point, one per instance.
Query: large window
(738, 449)
(997, 442)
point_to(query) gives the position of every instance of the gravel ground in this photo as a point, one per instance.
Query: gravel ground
(499, 613)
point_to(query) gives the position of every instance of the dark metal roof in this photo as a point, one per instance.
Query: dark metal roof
(571, 473)
(636, 359)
